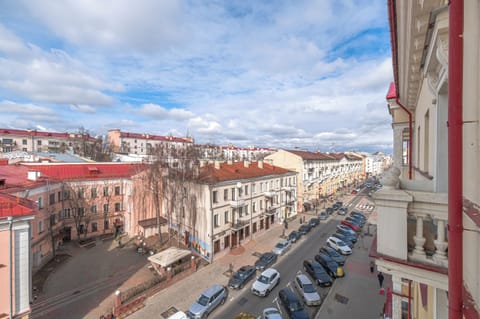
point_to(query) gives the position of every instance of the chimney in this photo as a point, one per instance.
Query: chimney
(260, 164)
(246, 164)
(33, 175)
(217, 164)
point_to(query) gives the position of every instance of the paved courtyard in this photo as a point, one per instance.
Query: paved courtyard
(84, 286)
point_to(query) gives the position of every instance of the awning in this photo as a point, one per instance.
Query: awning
(169, 256)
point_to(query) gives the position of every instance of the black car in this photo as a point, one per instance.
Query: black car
(340, 204)
(241, 277)
(339, 259)
(304, 229)
(358, 214)
(335, 206)
(265, 260)
(292, 304)
(317, 272)
(330, 210)
(293, 236)
(344, 238)
(314, 222)
(354, 220)
(330, 265)
(350, 236)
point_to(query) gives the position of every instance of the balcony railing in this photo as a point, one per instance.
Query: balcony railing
(269, 194)
(239, 224)
(411, 226)
(237, 203)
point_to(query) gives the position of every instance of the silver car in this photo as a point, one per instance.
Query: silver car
(208, 301)
(281, 247)
(307, 291)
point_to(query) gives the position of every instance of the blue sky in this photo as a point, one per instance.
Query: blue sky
(306, 74)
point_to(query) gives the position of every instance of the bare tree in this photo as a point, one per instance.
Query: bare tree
(74, 196)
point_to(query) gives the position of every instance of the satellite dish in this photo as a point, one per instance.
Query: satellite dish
(239, 185)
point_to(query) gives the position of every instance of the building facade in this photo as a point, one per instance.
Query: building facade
(428, 233)
(321, 175)
(39, 141)
(15, 260)
(144, 144)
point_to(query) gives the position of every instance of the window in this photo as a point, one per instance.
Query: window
(51, 200)
(117, 190)
(254, 189)
(94, 227)
(215, 196)
(105, 208)
(246, 210)
(225, 194)
(81, 229)
(117, 207)
(40, 202)
(67, 212)
(254, 207)
(93, 209)
(24, 142)
(233, 193)
(59, 196)
(93, 192)
(246, 190)
(226, 216)
(39, 143)
(215, 220)
(53, 219)
(40, 226)
(105, 224)
(81, 211)
(240, 211)
(105, 191)
(81, 193)
(261, 204)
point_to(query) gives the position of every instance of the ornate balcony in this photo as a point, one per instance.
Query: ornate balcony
(237, 203)
(269, 194)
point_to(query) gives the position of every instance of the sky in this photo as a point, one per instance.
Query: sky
(286, 74)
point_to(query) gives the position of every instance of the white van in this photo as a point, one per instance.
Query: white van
(178, 315)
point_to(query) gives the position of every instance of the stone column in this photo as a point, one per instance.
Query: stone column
(440, 243)
(418, 238)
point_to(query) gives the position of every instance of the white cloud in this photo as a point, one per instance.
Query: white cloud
(82, 108)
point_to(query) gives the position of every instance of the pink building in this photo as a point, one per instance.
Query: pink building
(15, 262)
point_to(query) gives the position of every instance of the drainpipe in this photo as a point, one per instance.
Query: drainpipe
(455, 159)
(10, 221)
(409, 299)
(410, 132)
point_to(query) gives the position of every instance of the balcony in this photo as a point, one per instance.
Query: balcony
(269, 194)
(411, 225)
(288, 188)
(239, 224)
(270, 211)
(290, 203)
(237, 203)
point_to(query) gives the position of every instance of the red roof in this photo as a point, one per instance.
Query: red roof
(306, 155)
(5, 131)
(155, 137)
(392, 91)
(14, 206)
(75, 171)
(237, 170)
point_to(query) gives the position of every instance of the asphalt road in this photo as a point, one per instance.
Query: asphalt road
(289, 266)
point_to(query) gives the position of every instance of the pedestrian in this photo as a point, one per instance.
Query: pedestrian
(380, 279)
(372, 266)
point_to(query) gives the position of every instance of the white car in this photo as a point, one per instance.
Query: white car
(271, 313)
(266, 282)
(339, 245)
(281, 247)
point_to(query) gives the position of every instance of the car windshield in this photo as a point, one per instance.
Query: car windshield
(238, 275)
(263, 279)
(203, 300)
(318, 270)
(341, 244)
(271, 312)
(280, 245)
(309, 288)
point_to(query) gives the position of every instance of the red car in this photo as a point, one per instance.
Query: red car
(354, 192)
(350, 225)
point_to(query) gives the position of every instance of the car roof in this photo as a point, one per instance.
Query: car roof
(212, 290)
(269, 271)
(289, 293)
(304, 279)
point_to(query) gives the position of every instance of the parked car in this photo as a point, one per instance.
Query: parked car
(346, 229)
(307, 290)
(355, 220)
(323, 216)
(265, 260)
(208, 301)
(330, 210)
(317, 272)
(350, 225)
(314, 221)
(304, 229)
(358, 214)
(340, 204)
(293, 306)
(332, 268)
(335, 206)
(339, 259)
(281, 247)
(349, 236)
(265, 282)
(293, 236)
(354, 192)
(271, 313)
(342, 211)
(243, 275)
(343, 238)
(339, 245)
